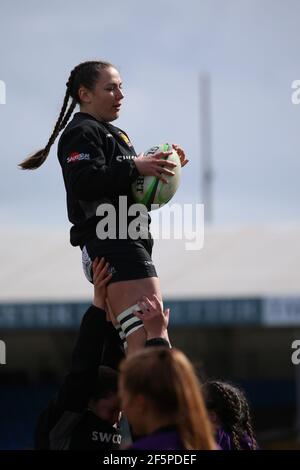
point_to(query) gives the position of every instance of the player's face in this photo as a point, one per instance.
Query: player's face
(108, 409)
(107, 95)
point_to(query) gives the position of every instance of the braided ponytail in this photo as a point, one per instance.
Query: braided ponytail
(67, 115)
(235, 438)
(37, 159)
(248, 425)
(86, 74)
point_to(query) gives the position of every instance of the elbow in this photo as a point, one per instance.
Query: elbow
(89, 191)
(81, 190)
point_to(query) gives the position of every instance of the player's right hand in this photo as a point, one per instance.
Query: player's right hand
(154, 318)
(156, 165)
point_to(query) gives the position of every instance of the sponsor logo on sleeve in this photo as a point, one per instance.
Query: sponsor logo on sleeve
(76, 157)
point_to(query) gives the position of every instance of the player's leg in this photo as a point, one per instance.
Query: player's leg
(133, 275)
(122, 298)
(116, 324)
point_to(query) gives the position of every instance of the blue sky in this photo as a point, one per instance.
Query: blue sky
(250, 48)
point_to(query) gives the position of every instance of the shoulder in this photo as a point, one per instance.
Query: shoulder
(59, 435)
(86, 128)
(116, 130)
(92, 432)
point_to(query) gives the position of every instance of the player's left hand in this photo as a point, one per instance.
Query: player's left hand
(181, 154)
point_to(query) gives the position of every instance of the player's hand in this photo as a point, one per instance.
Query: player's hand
(101, 278)
(154, 318)
(181, 155)
(156, 165)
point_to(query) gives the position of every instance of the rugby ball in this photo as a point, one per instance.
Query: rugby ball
(151, 191)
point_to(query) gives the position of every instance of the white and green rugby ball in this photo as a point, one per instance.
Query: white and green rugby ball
(149, 190)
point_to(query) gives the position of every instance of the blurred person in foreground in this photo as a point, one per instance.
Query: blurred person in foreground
(230, 414)
(162, 400)
(85, 414)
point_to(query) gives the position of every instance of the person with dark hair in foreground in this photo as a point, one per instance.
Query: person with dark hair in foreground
(230, 414)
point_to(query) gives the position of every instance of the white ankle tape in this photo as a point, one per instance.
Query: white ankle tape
(128, 321)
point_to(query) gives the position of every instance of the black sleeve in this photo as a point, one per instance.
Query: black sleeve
(87, 171)
(157, 342)
(87, 355)
(74, 394)
(90, 342)
(113, 351)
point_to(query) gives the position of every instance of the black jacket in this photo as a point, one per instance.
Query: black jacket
(97, 164)
(66, 423)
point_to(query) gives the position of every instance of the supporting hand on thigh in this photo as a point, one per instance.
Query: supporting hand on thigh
(100, 280)
(153, 316)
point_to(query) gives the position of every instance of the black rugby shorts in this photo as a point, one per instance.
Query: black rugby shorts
(128, 259)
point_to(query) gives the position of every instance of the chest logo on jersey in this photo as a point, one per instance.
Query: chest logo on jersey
(76, 157)
(125, 138)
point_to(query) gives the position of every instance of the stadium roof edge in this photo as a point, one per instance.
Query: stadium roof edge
(235, 262)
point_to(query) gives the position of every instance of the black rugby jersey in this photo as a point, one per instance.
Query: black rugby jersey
(97, 161)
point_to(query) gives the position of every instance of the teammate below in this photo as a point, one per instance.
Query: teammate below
(85, 413)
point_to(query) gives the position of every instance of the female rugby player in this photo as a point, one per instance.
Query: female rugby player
(99, 165)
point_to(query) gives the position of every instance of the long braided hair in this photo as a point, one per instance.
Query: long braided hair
(85, 74)
(232, 410)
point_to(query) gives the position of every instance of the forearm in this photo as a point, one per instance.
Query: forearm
(94, 180)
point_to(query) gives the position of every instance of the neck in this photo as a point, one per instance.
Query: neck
(84, 109)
